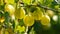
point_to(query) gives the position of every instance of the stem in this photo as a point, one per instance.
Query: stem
(26, 30)
(31, 1)
(4, 5)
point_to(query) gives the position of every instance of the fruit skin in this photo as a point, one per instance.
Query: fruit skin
(2, 19)
(10, 9)
(45, 21)
(55, 18)
(46, 27)
(5, 1)
(20, 13)
(28, 20)
(10, 30)
(50, 13)
(6, 32)
(37, 14)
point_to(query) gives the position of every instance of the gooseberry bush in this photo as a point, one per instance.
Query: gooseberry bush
(29, 16)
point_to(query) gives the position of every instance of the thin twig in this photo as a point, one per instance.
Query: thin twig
(39, 5)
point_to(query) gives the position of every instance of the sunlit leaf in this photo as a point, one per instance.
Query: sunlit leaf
(27, 1)
(21, 28)
(41, 1)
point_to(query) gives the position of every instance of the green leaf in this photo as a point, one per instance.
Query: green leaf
(7, 17)
(1, 2)
(20, 28)
(16, 1)
(10, 1)
(1, 13)
(41, 1)
(45, 2)
(27, 1)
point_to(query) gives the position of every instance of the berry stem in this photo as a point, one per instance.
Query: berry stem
(26, 30)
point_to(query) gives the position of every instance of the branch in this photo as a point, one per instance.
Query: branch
(45, 7)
